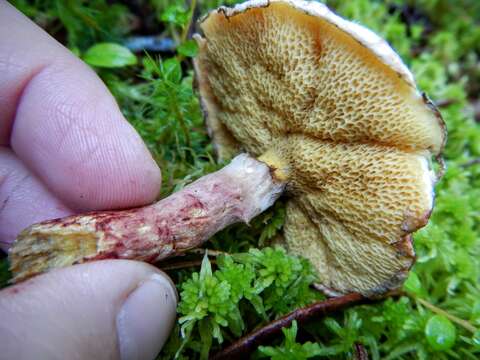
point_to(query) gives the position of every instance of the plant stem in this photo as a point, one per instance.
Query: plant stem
(463, 323)
(183, 125)
(193, 4)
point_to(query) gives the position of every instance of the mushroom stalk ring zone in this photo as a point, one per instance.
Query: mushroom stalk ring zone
(310, 106)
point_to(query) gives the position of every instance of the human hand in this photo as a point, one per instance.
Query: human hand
(64, 148)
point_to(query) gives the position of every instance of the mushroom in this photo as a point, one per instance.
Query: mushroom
(335, 122)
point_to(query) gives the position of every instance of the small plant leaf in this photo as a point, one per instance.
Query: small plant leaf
(189, 48)
(172, 70)
(413, 284)
(175, 14)
(109, 55)
(440, 333)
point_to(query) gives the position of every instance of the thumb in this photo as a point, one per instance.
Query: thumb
(114, 309)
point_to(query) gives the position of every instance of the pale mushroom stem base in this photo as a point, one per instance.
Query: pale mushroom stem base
(184, 220)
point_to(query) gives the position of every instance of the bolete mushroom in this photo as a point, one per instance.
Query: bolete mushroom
(336, 122)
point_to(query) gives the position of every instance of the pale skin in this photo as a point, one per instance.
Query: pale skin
(65, 148)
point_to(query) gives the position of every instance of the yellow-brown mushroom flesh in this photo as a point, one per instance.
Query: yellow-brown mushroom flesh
(338, 114)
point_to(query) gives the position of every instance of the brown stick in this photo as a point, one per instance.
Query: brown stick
(249, 343)
(180, 265)
(183, 264)
(442, 103)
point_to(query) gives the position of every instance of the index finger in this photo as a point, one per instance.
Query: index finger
(62, 122)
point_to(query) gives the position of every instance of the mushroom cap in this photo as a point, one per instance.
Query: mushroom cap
(337, 109)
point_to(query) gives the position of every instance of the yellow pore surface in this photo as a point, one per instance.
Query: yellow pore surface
(357, 138)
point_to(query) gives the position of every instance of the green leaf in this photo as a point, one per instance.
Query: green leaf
(206, 268)
(188, 48)
(172, 70)
(291, 350)
(476, 338)
(205, 331)
(109, 55)
(175, 14)
(413, 284)
(440, 333)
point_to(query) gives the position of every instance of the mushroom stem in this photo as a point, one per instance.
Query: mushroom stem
(184, 220)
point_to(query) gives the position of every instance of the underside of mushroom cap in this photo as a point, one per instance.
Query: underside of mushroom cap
(336, 104)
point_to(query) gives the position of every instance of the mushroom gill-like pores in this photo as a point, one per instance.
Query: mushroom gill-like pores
(333, 110)
(336, 116)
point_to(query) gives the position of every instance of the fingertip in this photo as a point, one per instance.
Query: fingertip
(106, 309)
(24, 199)
(70, 131)
(141, 327)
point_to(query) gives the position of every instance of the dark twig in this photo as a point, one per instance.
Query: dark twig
(249, 343)
(443, 103)
(360, 353)
(471, 162)
(180, 265)
(175, 265)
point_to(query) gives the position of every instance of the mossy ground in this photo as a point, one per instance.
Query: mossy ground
(440, 41)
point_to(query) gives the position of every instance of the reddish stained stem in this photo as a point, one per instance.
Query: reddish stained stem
(244, 346)
(184, 220)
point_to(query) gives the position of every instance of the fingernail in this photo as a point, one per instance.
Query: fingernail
(146, 318)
